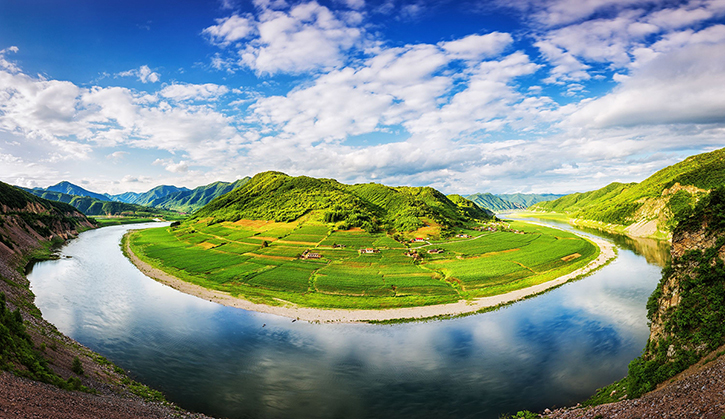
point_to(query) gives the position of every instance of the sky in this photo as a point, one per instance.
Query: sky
(465, 96)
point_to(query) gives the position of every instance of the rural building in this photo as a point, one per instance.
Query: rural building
(463, 236)
(418, 240)
(368, 250)
(338, 246)
(309, 255)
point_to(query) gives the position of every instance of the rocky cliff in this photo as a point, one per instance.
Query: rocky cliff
(687, 310)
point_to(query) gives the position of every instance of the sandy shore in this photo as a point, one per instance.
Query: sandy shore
(349, 316)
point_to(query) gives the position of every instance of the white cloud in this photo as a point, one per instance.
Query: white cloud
(354, 4)
(674, 88)
(306, 37)
(171, 166)
(230, 29)
(186, 91)
(143, 73)
(4, 63)
(117, 155)
(477, 47)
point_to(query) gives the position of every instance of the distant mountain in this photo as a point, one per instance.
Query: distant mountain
(146, 198)
(71, 189)
(165, 197)
(191, 200)
(276, 196)
(651, 207)
(494, 202)
(529, 199)
(91, 206)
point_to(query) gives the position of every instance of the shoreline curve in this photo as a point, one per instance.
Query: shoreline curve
(321, 315)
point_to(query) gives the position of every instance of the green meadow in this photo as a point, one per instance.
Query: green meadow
(262, 261)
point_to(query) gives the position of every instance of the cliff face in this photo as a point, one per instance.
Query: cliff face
(687, 310)
(688, 248)
(21, 229)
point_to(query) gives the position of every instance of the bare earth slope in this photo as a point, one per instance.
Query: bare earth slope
(27, 223)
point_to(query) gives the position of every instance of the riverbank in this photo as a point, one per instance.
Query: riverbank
(101, 388)
(643, 229)
(606, 253)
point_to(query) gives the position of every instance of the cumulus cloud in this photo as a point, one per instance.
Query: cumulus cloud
(676, 87)
(622, 38)
(171, 166)
(143, 73)
(477, 47)
(302, 38)
(4, 63)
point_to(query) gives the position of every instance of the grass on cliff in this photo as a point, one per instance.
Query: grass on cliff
(18, 354)
(694, 327)
(261, 261)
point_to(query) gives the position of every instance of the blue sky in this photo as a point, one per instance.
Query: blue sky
(465, 96)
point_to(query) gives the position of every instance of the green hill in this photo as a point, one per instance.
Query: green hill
(276, 196)
(528, 199)
(91, 206)
(145, 198)
(648, 208)
(191, 200)
(494, 202)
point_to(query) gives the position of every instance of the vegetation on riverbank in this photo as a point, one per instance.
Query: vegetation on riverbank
(686, 309)
(650, 208)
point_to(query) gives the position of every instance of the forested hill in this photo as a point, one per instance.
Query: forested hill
(279, 197)
(493, 202)
(71, 189)
(191, 200)
(91, 206)
(529, 199)
(508, 202)
(648, 208)
(162, 198)
(145, 198)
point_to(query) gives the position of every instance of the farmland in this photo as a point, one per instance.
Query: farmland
(264, 261)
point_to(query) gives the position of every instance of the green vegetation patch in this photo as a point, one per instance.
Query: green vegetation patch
(220, 256)
(18, 354)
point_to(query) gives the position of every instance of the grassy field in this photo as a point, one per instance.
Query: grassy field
(261, 261)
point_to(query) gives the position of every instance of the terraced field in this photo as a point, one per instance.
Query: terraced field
(264, 261)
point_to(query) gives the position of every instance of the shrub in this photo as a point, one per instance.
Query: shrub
(77, 367)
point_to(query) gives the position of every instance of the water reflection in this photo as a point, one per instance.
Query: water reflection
(551, 350)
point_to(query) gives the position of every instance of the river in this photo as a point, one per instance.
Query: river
(552, 350)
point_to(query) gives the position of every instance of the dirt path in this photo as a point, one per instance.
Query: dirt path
(350, 316)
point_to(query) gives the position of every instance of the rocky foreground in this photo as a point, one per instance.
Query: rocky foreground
(23, 398)
(698, 392)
